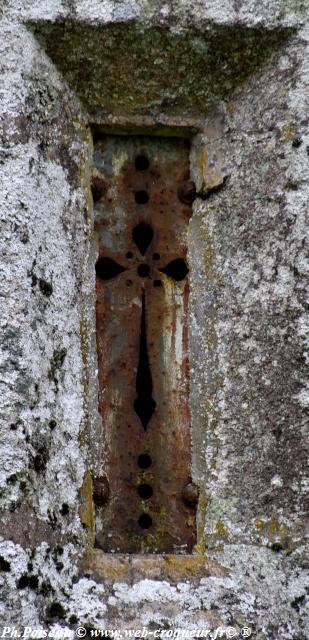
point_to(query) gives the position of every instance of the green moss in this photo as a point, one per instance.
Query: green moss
(86, 510)
(129, 69)
(277, 534)
(201, 538)
(289, 132)
(222, 530)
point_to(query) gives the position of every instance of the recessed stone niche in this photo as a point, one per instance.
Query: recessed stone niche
(133, 75)
(155, 82)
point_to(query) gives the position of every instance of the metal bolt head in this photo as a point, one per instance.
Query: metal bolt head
(98, 187)
(187, 192)
(190, 494)
(100, 490)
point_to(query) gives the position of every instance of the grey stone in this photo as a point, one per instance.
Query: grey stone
(248, 266)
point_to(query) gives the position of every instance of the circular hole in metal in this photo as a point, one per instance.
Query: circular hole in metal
(143, 270)
(129, 283)
(144, 461)
(141, 197)
(145, 491)
(141, 163)
(157, 283)
(156, 256)
(145, 521)
(129, 255)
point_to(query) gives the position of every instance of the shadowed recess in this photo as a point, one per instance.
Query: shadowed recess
(107, 268)
(144, 405)
(145, 491)
(143, 270)
(176, 269)
(144, 461)
(145, 521)
(142, 235)
(141, 197)
(141, 163)
(106, 65)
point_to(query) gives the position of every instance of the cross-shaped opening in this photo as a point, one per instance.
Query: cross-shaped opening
(142, 204)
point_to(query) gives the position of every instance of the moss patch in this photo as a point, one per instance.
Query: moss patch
(86, 510)
(130, 69)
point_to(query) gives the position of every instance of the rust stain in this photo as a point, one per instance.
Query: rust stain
(143, 289)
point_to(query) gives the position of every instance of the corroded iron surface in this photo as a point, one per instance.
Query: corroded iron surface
(142, 343)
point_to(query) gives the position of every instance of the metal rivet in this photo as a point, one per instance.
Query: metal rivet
(187, 192)
(190, 494)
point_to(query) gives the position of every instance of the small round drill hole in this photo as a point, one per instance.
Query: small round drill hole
(144, 461)
(145, 521)
(145, 491)
(129, 255)
(157, 283)
(143, 270)
(129, 283)
(156, 256)
(141, 163)
(141, 197)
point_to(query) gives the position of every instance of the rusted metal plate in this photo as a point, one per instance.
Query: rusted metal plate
(141, 215)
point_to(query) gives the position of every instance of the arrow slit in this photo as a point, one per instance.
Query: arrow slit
(144, 404)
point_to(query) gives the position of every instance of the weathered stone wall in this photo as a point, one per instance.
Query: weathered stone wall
(248, 326)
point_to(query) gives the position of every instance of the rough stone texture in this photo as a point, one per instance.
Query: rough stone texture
(248, 332)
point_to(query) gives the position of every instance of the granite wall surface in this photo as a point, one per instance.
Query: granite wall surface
(235, 74)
